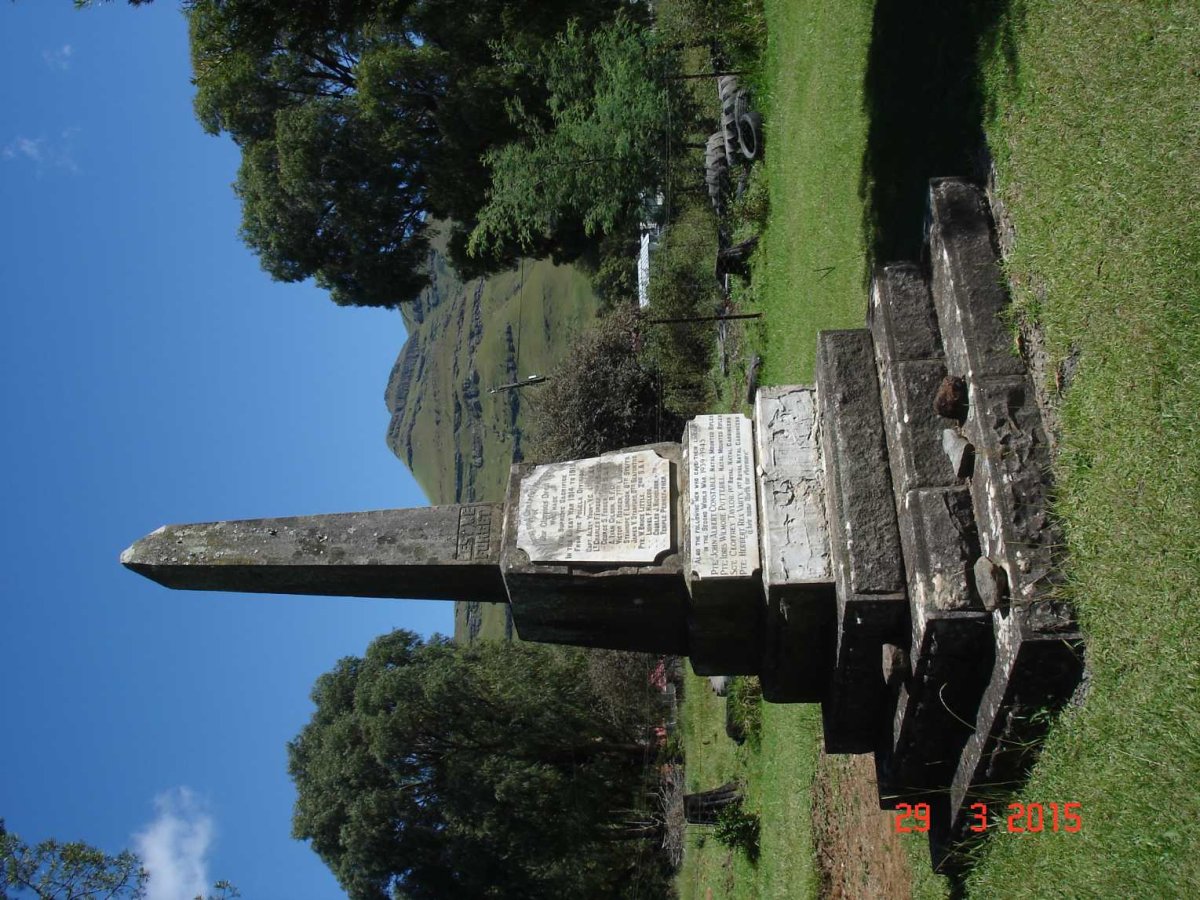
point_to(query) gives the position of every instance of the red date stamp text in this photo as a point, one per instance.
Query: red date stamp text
(1017, 818)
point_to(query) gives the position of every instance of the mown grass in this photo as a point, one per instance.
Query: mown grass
(811, 263)
(1094, 121)
(778, 780)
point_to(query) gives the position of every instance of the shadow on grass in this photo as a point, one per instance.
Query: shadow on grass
(924, 101)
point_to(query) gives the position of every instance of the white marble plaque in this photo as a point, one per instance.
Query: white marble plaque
(607, 509)
(724, 520)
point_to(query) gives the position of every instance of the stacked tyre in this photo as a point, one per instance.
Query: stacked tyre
(716, 171)
(741, 127)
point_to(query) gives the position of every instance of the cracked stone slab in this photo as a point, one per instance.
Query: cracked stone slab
(1009, 484)
(941, 545)
(969, 290)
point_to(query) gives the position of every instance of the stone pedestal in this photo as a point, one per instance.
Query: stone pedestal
(797, 573)
(591, 551)
(722, 546)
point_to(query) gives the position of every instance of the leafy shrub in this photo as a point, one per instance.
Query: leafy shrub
(738, 830)
(743, 705)
(600, 397)
(737, 29)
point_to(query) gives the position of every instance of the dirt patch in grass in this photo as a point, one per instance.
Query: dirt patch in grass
(858, 853)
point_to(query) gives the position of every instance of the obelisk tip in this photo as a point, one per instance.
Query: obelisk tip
(135, 554)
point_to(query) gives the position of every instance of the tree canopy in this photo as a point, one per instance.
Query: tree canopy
(358, 120)
(433, 770)
(74, 870)
(596, 148)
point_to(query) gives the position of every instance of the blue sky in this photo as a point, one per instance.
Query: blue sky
(155, 374)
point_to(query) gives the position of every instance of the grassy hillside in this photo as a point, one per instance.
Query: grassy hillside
(464, 339)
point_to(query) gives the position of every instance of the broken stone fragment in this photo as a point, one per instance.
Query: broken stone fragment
(951, 402)
(991, 581)
(959, 451)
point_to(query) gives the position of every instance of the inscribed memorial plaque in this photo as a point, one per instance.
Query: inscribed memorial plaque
(724, 518)
(608, 509)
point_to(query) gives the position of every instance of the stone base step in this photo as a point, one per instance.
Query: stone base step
(1033, 676)
(937, 706)
(992, 652)
(864, 539)
(951, 632)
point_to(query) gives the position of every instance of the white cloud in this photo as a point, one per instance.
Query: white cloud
(29, 148)
(43, 154)
(59, 60)
(174, 847)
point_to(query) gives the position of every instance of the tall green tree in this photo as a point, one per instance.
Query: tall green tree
(53, 870)
(588, 158)
(359, 120)
(432, 770)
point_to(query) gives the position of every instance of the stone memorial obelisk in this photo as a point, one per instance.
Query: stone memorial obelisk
(653, 549)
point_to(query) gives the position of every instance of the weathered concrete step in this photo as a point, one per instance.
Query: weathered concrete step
(968, 286)
(797, 575)
(864, 538)
(1038, 664)
(912, 366)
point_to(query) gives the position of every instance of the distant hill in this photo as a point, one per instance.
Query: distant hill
(464, 339)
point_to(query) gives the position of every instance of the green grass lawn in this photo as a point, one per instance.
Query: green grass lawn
(777, 776)
(1095, 126)
(811, 267)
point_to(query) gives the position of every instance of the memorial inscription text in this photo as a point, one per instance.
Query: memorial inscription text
(608, 509)
(724, 520)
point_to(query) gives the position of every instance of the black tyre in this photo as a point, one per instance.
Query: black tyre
(727, 89)
(750, 135)
(716, 171)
